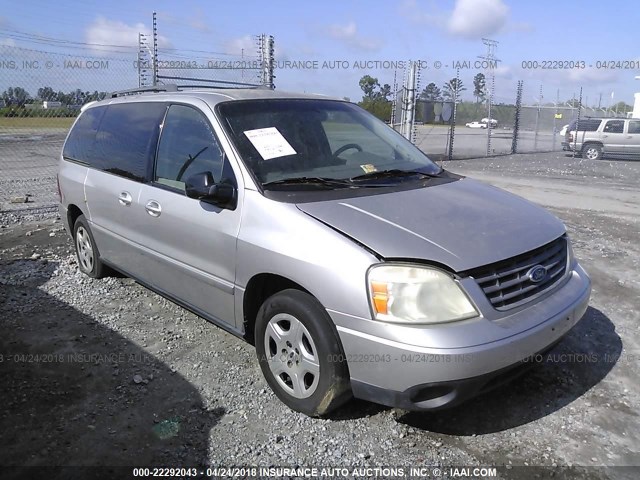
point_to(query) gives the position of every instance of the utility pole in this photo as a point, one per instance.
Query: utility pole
(145, 60)
(155, 50)
(407, 127)
(266, 51)
(395, 99)
(492, 61)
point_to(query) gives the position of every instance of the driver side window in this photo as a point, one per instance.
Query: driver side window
(187, 146)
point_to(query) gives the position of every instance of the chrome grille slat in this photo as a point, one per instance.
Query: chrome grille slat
(533, 261)
(506, 284)
(519, 268)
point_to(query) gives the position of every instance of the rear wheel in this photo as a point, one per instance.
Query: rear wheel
(592, 152)
(300, 353)
(88, 257)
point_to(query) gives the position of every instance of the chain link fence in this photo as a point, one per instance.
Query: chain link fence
(520, 122)
(42, 94)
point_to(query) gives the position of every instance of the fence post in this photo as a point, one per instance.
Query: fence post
(575, 139)
(516, 122)
(535, 135)
(452, 127)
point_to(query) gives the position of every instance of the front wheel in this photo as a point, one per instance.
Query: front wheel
(300, 353)
(592, 152)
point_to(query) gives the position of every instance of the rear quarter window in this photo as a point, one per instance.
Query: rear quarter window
(79, 144)
(126, 140)
(585, 125)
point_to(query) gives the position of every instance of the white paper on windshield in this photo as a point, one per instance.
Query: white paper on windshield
(269, 143)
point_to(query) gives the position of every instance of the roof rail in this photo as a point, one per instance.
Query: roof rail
(171, 87)
(156, 88)
(215, 82)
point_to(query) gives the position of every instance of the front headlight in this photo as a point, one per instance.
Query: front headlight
(416, 294)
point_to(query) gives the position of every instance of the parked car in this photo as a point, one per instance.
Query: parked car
(476, 125)
(594, 138)
(493, 121)
(353, 263)
(563, 131)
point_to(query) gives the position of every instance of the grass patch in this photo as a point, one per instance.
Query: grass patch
(36, 122)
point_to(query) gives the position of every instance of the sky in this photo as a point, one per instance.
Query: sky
(336, 42)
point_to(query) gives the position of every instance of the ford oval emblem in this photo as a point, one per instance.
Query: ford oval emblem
(537, 274)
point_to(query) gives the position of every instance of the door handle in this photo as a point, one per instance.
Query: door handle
(125, 198)
(153, 208)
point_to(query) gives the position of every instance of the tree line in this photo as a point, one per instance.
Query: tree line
(377, 100)
(17, 99)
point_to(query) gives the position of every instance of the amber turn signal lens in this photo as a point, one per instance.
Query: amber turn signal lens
(380, 297)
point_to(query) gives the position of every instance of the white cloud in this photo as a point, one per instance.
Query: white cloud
(104, 32)
(592, 76)
(246, 45)
(503, 71)
(348, 34)
(7, 42)
(410, 10)
(477, 18)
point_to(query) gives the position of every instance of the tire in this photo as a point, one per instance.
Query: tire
(592, 151)
(87, 253)
(300, 353)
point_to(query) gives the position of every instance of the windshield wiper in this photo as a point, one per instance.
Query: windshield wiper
(394, 172)
(323, 181)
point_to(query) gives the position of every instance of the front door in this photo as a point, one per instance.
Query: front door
(191, 244)
(613, 137)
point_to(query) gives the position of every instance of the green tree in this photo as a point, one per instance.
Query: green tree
(479, 87)
(453, 89)
(431, 93)
(376, 97)
(16, 96)
(621, 107)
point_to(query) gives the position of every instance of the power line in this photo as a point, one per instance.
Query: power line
(44, 40)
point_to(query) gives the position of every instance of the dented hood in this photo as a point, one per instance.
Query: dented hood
(461, 224)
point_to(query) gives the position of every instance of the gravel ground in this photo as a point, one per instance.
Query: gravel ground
(105, 372)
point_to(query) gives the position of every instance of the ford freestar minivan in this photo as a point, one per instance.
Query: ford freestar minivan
(353, 263)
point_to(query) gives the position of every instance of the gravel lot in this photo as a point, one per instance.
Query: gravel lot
(104, 372)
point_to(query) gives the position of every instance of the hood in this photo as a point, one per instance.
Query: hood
(462, 224)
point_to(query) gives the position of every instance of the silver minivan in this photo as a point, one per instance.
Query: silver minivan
(353, 263)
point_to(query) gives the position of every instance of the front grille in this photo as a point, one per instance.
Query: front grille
(507, 283)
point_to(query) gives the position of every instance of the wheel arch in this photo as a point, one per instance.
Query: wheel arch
(260, 287)
(73, 212)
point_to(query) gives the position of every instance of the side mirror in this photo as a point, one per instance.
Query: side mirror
(202, 186)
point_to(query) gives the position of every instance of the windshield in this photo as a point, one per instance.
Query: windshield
(297, 142)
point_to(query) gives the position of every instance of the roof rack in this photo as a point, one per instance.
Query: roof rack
(223, 83)
(156, 88)
(171, 87)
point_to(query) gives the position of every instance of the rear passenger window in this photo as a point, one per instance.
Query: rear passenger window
(614, 126)
(79, 145)
(587, 125)
(634, 126)
(187, 146)
(126, 141)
